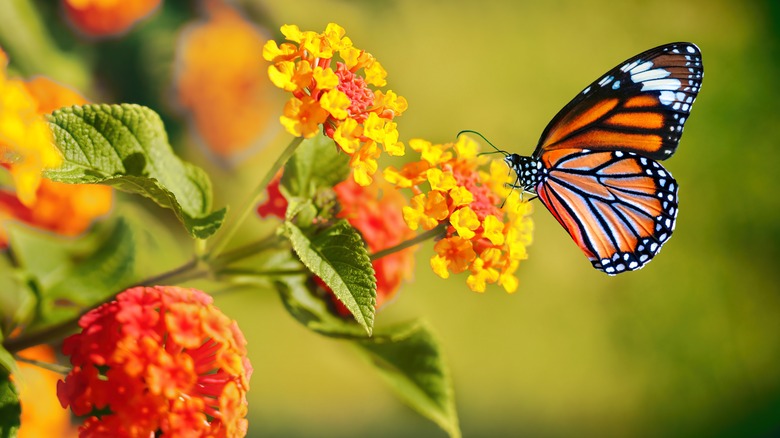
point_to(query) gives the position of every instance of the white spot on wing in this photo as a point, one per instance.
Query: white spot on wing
(661, 85)
(649, 75)
(641, 67)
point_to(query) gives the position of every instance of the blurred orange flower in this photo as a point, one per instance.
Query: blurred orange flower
(218, 65)
(375, 211)
(66, 209)
(158, 360)
(26, 145)
(42, 415)
(330, 81)
(107, 17)
(482, 238)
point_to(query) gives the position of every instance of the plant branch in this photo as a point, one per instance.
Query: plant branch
(188, 271)
(222, 240)
(430, 234)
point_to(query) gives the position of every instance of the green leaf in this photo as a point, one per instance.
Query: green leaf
(17, 297)
(313, 311)
(10, 408)
(316, 164)
(125, 146)
(338, 256)
(410, 361)
(78, 272)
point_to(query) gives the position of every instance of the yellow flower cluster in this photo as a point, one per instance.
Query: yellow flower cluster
(26, 144)
(486, 240)
(330, 81)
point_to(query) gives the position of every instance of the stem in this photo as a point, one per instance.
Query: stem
(432, 233)
(57, 368)
(188, 271)
(268, 273)
(243, 252)
(224, 238)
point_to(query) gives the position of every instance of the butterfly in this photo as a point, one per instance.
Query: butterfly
(596, 165)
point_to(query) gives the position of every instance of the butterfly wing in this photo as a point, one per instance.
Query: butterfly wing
(639, 106)
(619, 207)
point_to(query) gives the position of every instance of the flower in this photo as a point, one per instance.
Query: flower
(331, 85)
(42, 415)
(375, 211)
(157, 360)
(232, 107)
(482, 238)
(107, 17)
(26, 144)
(275, 204)
(66, 209)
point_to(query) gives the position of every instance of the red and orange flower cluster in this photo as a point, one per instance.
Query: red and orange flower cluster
(107, 17)
(158, 360)
(486, 240)
(330, 80)
(375, 211)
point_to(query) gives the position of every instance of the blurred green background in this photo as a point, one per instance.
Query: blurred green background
(688, 346)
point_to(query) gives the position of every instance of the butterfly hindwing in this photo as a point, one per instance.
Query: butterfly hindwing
(619, 207)
(639, 106)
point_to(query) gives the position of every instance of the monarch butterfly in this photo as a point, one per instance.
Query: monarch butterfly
(595, 167)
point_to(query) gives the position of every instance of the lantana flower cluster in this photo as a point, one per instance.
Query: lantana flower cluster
(107, 17)
(26, 144)
(158, 360)
(66, 209)
(375, 211)
(481, 237)
(330, 81)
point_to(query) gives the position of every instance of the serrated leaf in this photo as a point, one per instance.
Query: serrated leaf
(125, 146)
(316, 164)
(10, 408)
(409, 359)
(79, 272)
(313, 311)
(338, 256)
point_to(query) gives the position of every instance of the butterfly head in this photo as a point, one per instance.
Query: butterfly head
(529, 170)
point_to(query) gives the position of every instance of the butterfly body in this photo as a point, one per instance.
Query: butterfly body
(596, 165)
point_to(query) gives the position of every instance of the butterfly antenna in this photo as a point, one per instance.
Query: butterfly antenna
(498, 151)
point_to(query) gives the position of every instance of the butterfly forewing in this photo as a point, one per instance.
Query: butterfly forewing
(618, 207)
(639, 106)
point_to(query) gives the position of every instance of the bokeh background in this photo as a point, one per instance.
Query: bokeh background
(688, 346)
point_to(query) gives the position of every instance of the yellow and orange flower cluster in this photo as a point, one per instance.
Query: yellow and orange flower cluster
(26, 144)
(482, 238)
(158, 360)
(330, 81)
(66, 209)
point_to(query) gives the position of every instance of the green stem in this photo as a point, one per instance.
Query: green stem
(430, 234)
(188, 271)
(268, 273)
(245, 251)
(57, 368)
(224, 238)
